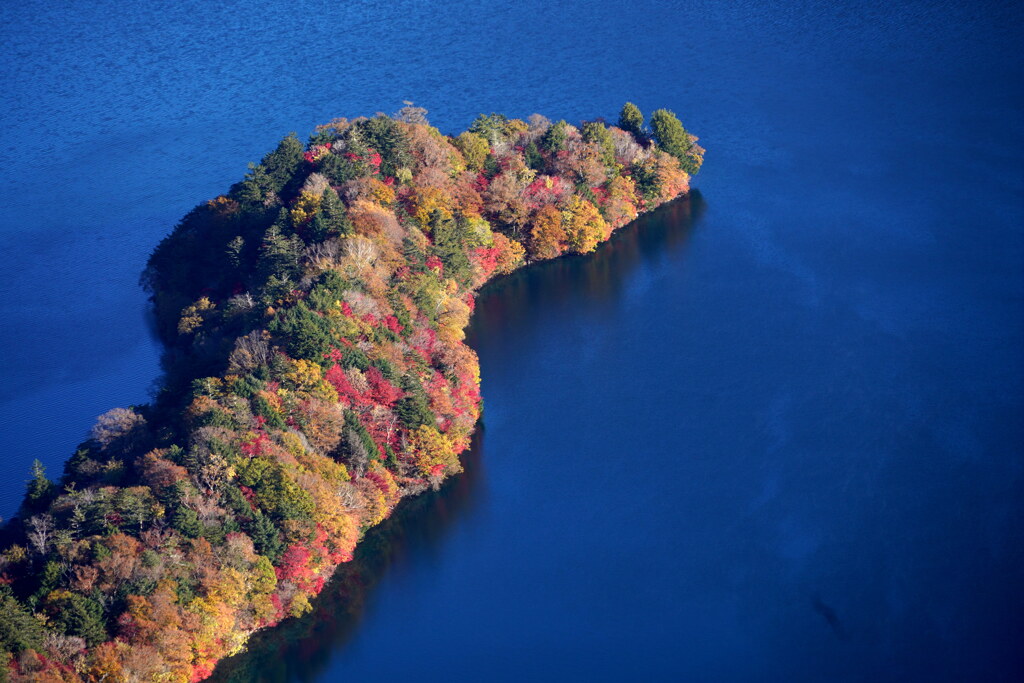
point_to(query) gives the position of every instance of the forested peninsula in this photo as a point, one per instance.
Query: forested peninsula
(316, 374)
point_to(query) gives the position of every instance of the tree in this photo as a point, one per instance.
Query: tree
(673, 138)
(431, 452)
(532, 156)
(493, 128)
(632, 120)
(40, 530)
(509, 255)
(648, 183)
(78, 615)
(554, 137)
(547, 238)
(119, 429)
(412, 114)
(584, 226)
(305, 334)
(331, 220)
(234, 251)
(40, 489)
(387, 137)
(19, 630)
(265, 536)
(414, 409)
(448, 246)
(280, 255)
(598, 133)
(256, 190)
(283, 162)
(474, 148)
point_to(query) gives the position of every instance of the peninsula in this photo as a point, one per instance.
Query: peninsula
(316, 374)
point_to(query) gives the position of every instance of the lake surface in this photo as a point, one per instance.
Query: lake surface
(773, 433)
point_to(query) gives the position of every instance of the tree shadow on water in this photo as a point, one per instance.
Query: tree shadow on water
(590, 280)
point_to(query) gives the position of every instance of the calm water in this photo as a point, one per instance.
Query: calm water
(775, 433)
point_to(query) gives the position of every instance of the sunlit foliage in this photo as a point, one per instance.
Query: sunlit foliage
(317, 375)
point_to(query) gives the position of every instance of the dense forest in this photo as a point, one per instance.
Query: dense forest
(316, 374)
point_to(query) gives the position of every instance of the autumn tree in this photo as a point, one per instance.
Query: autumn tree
(597, 133)
(474, 148)
(119, 430)
(584, 226)
(547, 238)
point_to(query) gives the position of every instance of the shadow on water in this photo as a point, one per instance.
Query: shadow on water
(513, 301)
(302, 649)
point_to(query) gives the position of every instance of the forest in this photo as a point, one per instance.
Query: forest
(315, 375)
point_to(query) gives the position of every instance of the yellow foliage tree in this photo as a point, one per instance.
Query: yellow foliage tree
(622, 198)
(305, 207)
(425, 200)
(474, 149)
(510, 253)
(194, 315)
(584, 226)
(431, 452)
(547, 238)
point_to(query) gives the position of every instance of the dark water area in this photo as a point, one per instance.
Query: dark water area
(775, 433)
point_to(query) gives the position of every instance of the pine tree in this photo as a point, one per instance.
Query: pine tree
(673, 139)
(555, 137)
(40, 489)
(632, 120)
(331, 220)
(283, 162)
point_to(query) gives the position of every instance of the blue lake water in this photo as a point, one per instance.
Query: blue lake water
(774, 433)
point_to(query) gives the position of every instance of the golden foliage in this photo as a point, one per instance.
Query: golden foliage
(583, 224)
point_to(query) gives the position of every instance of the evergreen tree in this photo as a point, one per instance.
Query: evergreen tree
(280, 255)
(673, 138)
(234, 251)
(534, 159)
(413, 255)
(255, 189)
(19, 630)
(283, 162)
(555, 137)
(186, 522)
(82, 616)
(306, 335)
(493, 127)
(648, 184)
(40, 489)
(265, 536)
(414, 408)
(331, 220)
(632, 120)
(448, 239)
(339, 170)
(385, 135)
